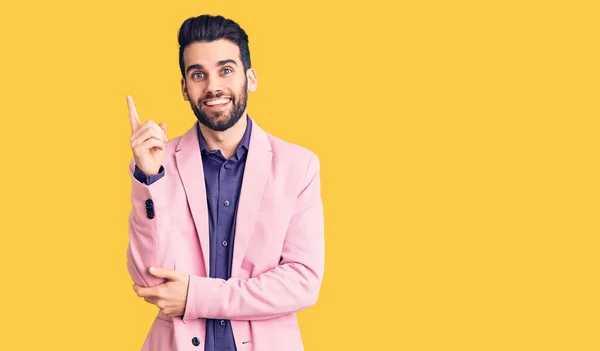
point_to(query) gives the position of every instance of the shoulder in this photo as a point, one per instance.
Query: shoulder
(292, 156)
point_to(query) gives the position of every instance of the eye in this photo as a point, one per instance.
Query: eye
(227, 71)
(198, 75)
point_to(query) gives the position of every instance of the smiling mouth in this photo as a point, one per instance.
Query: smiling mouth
(216, 102)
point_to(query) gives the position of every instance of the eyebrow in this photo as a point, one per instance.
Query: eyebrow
(219, 64)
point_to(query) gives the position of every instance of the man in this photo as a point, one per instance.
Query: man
(226, 231)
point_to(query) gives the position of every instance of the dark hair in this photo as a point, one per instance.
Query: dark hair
(207, 28)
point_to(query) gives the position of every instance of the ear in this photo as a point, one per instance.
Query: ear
(184, 90)
(252, 79)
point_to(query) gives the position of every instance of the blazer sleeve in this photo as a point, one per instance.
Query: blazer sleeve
(290, 287)
(148, 227)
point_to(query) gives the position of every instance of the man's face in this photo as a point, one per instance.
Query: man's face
(215, 83)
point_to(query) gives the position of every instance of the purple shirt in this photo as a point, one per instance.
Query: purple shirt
(223, 180)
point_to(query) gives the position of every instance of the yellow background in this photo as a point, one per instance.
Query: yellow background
(459, 151)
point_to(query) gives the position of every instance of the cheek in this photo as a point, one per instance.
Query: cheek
(239, 93)
(194, 91)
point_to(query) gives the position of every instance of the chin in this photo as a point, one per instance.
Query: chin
(217, 121)
(220, 124)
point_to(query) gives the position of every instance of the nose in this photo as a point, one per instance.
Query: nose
(213, 85)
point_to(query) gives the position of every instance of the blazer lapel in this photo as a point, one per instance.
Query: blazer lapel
(256, 174)
(191, 170)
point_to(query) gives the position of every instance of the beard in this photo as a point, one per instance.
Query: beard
(213, 120)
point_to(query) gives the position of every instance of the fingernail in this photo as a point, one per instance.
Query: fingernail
(152, 270)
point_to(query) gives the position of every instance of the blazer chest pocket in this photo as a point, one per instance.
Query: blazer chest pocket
(273, 217)
(276, 204)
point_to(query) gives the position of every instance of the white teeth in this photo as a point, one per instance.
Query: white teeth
(217, 102)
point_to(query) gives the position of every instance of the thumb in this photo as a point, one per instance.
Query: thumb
(163, 273)
(163, 126)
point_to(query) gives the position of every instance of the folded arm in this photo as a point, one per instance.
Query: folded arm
(290, 287)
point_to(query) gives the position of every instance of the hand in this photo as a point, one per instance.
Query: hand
(148, 141)
(171, 296)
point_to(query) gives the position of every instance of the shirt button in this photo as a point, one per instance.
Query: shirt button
(195, 341)
(226, 203)
(227, 166)
(224, 243)
(223, 323)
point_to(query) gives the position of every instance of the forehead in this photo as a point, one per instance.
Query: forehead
(208, 54)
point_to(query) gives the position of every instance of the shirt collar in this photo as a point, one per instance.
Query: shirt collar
(242, 147)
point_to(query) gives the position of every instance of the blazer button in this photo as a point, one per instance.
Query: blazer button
(195, 341)
(150, 208)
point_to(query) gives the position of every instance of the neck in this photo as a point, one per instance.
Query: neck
(227, 141)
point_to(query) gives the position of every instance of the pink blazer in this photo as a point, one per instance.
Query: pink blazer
(278, 256)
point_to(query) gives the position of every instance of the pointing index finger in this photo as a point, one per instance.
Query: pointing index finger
(133, 115)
